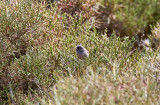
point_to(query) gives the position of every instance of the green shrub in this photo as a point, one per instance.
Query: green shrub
(50, 72)
(134, 16)
(140, 14)
(19, 27)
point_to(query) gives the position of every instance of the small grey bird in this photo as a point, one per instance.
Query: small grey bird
(81, 52)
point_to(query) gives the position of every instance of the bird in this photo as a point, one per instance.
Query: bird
(82, 52)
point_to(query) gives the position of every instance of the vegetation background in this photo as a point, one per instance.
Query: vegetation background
(38, 62)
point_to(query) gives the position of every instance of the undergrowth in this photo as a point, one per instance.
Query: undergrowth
(38, 62)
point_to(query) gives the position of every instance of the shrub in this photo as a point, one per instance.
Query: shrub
(128, 18)
(19, 27)
(39, 63)
(155, 37)
(138, 15)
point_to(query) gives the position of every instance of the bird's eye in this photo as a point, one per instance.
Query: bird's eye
(79, 48)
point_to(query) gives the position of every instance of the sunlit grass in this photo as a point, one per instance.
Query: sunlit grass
(51, 73)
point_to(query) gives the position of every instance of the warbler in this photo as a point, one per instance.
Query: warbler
(82, 52)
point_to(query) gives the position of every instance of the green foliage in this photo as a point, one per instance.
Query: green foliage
(51, 73)
(17, 23)
(135, 15)
(112, 74)
(138, 14)
(19, 27)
